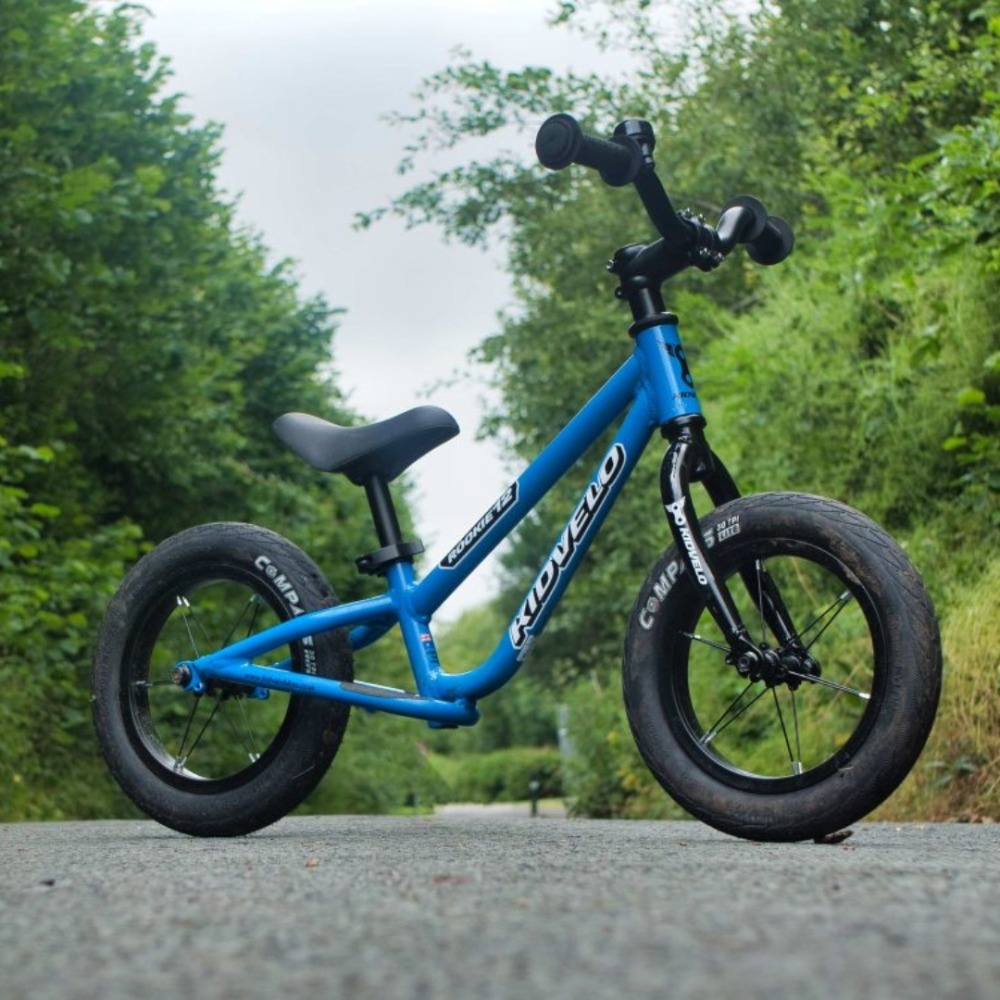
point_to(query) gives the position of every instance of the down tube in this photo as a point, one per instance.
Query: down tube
(563, 561)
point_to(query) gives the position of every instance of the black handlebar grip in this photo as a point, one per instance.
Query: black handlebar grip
(742, 221)
(558, 142)
(561, 141)
(774, 244)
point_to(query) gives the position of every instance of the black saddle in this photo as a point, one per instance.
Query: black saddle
(380, 450)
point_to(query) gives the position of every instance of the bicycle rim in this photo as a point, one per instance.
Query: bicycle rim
(222, 738)
(778, 735)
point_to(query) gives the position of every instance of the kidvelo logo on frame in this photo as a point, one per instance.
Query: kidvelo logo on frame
(562, 553)
(677, 353)
(680, 518)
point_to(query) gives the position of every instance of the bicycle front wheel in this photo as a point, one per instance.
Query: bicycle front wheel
(232, 759)
(831, 730)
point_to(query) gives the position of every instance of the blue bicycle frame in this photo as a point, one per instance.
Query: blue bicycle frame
(654, 386)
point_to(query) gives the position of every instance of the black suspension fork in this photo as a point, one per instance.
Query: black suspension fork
(690, 459)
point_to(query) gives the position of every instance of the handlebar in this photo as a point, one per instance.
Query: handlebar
(561, 141)
(627, 158)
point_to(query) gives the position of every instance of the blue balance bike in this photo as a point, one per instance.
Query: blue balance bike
(781, 665)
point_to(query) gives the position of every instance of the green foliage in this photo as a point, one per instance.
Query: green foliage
(510, 775)
(146, 344)
(382, 767)
(957, 777)
(604, 774)
(51, 594)
(853, 395)
(975, 440)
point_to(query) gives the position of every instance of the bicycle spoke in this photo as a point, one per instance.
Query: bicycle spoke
(706, 642)
(254, 604)
(796, 767)
(730, 715)
(794, 756)
(759, 569)
(826, 682)
(186, 613)
(182, 760)
(833, 611)
(249, 743)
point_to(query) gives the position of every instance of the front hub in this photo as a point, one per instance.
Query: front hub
(774, 667)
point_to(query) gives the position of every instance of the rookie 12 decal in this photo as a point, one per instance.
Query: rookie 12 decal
(465, 546)
(562, 553)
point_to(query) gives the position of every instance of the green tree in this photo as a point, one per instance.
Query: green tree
(157, 342)
(147, 344)
(52, 593)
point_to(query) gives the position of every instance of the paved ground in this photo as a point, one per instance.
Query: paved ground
(488, 906)
(545, 809)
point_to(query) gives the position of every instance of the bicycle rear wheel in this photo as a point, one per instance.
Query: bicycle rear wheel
(827, 735)
(233, 759)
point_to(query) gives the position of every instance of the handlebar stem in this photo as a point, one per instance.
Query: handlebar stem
(661, 211)
(686, 240)
(636, 286)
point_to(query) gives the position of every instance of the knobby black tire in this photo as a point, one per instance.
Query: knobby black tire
(801, 758)
(224, 763)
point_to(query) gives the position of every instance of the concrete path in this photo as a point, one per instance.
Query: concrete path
(496, 907)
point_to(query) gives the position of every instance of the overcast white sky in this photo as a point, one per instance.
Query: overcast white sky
(300, 87)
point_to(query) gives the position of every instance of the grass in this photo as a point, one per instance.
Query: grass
(958, 776)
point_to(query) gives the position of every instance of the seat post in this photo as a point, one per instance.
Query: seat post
(383, 511)
(390, 537)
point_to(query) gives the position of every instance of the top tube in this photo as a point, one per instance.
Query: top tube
(658, 364)
(524, 493)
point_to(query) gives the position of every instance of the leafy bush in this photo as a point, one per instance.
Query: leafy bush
(958, 776)
(503, 775)
(52, 595)
(605, 775)
(382, 767)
